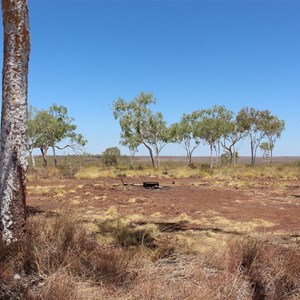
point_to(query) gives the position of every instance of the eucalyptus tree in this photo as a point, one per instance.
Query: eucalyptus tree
(158, 134)
(211, 125)
(33, 131)
(53, 128)
(186, 133)
(232, 133)
(62, 134)
(140, 126)
(131, 144)
(255, 124)
(13, 162)
(273, 130)
(265, 148)
(41, 126)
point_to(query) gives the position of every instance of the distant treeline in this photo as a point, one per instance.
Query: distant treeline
(217, 127)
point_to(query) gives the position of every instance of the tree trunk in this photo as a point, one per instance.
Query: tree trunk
(32, 158)
(217, 151)
(189, 157)
(13, 162)
(211, 156)
(132, 154)
(157, 157)
(44, 155)
(54, 156)
(231, 153)
(151, 154)
(234, 154)
(271, 155)
(252, 153)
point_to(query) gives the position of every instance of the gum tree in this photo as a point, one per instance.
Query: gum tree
(158, 134)
(257, 125)
(13, 162)
(186, 133)
(265, 148)
(131, 144)
(140, 126)
(273, 130)
(232, 133)
(211, 124)
(252, 123)
(40, 127)
(52, 128)
(63, 131)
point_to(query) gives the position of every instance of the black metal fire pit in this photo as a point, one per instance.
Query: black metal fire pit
(151, 185)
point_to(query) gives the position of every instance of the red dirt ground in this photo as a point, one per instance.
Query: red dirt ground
(274, 202)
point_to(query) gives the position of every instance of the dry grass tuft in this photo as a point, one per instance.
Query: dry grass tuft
(44, 173)
(52, 255)
(273, 270)
(59, 285)
(126, 236)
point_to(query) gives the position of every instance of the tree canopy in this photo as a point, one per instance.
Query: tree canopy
(186, 132)
(257, 125)
(216, 126)
(52, 128)
(140, 126)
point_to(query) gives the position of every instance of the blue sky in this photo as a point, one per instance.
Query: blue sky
(190, 54)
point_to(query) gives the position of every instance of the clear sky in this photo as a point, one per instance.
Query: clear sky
(190, 54)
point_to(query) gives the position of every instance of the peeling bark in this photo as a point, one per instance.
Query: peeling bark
(13, 162)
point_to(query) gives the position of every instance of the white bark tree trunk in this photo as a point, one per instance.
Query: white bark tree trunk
(54, 156)
(32, 157)
(13, 161)
(211, 156)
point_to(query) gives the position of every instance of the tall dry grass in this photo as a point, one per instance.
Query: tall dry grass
(91, 167)
(239, 171)
(55, 249)
(58, 259)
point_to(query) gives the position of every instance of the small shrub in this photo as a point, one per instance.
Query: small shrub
(69, 166)
(111, 156)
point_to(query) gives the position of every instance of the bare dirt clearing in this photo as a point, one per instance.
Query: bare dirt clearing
(256, 205)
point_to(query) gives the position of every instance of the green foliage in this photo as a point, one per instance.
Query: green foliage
(265, 147)
(140, 126)
(226, 157)
(258, 125)
(216, 126)
(111, 156)
(212, 125)
(186, 133)
(71, 165)
(273, 130)
(50, 128)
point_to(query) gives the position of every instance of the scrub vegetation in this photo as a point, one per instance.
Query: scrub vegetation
(99, 239)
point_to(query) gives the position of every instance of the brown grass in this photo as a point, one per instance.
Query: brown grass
(272, 269)
(51, 249)
(58, 259)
